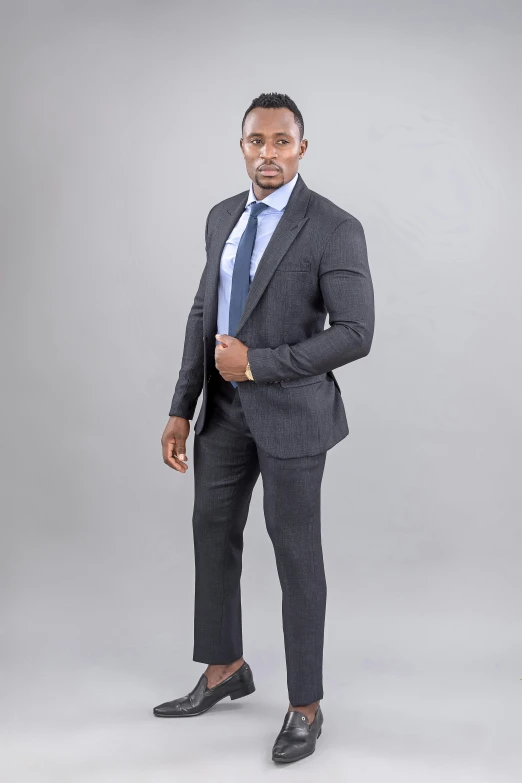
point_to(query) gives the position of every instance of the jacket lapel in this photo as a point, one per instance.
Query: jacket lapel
(286, 231)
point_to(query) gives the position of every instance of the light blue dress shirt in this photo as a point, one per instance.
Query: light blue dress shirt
(266, 224)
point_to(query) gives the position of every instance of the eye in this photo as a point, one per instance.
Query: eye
(254, 141)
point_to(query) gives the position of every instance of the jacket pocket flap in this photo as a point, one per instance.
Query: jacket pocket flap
(307, 379)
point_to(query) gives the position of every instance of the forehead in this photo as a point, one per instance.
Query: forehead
(270, 121)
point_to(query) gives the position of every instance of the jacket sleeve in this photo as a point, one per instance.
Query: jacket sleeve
(347, 290)
(190, 378)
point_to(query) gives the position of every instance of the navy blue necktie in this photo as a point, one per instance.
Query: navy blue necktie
(241, 273)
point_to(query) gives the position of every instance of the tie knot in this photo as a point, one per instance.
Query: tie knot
(256, 208)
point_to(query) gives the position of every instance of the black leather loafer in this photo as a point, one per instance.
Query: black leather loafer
(297, 738)
(201, 698)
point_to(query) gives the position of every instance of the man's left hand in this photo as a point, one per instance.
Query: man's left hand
(231, 358)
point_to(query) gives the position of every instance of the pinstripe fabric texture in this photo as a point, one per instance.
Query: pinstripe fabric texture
(227, 465)
(315, 265)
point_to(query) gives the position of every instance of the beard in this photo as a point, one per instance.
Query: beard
(269, 184)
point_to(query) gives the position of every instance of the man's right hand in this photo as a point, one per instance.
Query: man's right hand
(173, 442)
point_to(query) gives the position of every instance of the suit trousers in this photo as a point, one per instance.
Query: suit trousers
(227, 464)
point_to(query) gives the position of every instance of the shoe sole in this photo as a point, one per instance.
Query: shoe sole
(237, 694)
(298, 758)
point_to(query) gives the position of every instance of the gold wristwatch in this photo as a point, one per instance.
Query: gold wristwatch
(248, 372)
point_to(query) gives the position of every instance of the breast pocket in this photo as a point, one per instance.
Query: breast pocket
(295, 265)
(295, 289)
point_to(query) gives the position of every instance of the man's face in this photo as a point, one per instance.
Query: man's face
(271, 148)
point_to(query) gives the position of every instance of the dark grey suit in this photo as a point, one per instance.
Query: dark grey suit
(281, 425)
(315, 263)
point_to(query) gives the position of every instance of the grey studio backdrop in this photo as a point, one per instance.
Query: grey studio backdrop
(121, 125)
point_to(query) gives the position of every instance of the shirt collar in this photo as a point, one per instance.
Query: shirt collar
(278, 198)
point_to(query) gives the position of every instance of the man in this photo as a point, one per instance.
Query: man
(279, 258)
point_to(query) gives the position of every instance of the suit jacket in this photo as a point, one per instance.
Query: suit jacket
(315, 264)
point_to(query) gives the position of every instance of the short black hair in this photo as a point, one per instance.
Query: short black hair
(276, 100)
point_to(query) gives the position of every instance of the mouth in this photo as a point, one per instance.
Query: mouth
(269, 172)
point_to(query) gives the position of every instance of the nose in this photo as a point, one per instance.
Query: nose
(268, 152)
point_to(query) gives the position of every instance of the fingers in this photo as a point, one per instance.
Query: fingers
(180, 449)
(174, 454)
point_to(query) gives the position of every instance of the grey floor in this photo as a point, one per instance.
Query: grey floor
(383, 722)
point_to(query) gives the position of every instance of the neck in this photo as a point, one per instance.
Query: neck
(261, 193)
